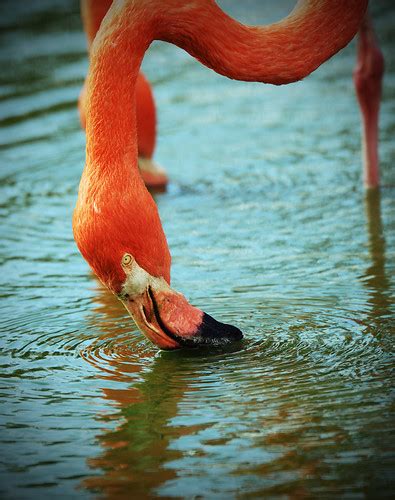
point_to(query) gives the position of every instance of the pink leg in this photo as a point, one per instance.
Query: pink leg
(368, 75)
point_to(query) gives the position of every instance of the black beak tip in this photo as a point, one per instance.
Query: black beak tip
(213, 332)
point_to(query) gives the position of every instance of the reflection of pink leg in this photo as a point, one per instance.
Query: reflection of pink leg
(368, 76)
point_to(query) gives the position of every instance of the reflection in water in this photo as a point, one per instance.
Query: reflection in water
(223, 417)
(266, 419)
(135, 448)
(375, 277)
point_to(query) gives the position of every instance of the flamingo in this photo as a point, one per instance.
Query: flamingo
(116, 222)
(155, 178)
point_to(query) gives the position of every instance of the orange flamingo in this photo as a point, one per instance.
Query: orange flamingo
(92, 13)
(368, 76)
(116, 222)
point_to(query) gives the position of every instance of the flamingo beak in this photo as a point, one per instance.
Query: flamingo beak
(170, 322)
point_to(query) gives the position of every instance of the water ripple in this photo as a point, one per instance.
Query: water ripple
(269, 229)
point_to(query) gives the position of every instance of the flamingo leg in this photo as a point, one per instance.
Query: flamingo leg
(368, 75)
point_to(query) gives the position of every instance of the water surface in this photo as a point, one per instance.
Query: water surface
(269, 229)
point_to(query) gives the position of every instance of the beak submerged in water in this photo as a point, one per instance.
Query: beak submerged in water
(169, 321)
(167, 318)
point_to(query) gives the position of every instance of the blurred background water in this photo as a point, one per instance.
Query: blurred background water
(269, 228)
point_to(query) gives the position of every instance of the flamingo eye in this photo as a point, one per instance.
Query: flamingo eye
(126, 259)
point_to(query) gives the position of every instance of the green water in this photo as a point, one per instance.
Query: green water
(269, 228)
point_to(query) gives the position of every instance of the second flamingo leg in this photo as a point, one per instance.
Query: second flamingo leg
(368, 75)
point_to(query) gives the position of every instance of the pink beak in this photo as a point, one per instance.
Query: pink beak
(170, 322)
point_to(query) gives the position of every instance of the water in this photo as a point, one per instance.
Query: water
(269, 229)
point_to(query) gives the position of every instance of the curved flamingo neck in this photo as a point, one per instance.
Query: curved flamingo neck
(279, 53)
(115, 214)
(92, 13)
(116, 56)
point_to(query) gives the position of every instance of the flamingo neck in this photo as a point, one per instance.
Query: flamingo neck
(279, 53)
(111, 126)
(115, 213)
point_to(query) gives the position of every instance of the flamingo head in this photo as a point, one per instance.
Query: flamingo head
(161, 314)
(165, 316)
(129, 254)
